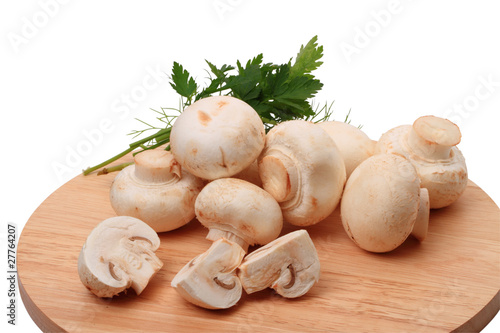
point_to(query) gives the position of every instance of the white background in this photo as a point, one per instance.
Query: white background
(66, 69)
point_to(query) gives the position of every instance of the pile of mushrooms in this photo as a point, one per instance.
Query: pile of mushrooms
(254, 182)
(243, 185)
(389, 195)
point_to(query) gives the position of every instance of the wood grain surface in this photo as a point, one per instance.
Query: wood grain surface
(449, 282)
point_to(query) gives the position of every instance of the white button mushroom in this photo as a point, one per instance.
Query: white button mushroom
(217, 137)
(354, 145)
(238, 211)
(430, 146)
(156, 191)
(119, 254)
(380, 204)
(302, 168)
(210, 280)
(289, 265)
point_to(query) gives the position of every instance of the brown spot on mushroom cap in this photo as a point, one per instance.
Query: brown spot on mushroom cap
(314, 202)
(204, 118)
(220, 104)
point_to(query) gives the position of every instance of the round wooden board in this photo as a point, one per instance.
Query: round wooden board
(449, 282)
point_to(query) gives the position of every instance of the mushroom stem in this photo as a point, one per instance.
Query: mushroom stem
(279, 176)
(215, 234)
(156, 166)
(422, 222)
(433, 137)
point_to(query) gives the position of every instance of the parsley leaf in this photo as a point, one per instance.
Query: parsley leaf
(306, 60)
(183, 83)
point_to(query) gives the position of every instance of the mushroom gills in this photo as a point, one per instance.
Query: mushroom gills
(289, 265)
(210, 280)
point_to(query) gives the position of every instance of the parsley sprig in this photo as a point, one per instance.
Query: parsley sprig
(277, 92)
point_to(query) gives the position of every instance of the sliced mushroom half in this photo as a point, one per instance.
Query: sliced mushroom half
(289, 265)
(209, 280)
(119, 254)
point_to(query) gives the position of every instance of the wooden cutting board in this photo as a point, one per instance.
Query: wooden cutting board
(449, 282)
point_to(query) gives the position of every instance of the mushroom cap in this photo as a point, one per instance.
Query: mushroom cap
(209, 280)
(289, 264)
(380, 202)
(156, 191)
(118, 254)
(303, 169)
(354, 145)
(446, 179)
(217, 137)
(240, 208)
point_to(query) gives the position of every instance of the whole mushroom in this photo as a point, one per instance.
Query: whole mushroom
(210, 280)
(354, 145)
(383, 203)
(119, 254)
(289, 265)
(430, 145)
(239, 211)
(217, 137)
(155, 190)
(302, 168)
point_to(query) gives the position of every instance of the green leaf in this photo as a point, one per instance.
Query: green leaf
(307, 60)
(219, 73)
(182, 82)
(302, 87)
(245, 85)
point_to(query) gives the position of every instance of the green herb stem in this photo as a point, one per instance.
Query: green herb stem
(118, 167)
(111, 160)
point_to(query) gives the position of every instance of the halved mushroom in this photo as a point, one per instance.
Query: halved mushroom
(430, 145)
(301, 167)
(210, 280)
(238, 211)
(383, 203)
(217, 137)
(156, 191)
(119, 254)
(289, 265)
(354, 145)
